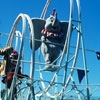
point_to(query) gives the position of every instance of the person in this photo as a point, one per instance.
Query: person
(8, 66)
(5, 65)
(51, 33)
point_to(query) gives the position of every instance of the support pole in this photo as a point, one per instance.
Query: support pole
(83, 49)
(85, 67)
(56, 86)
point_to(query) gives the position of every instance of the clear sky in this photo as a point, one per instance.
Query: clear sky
(90, 10)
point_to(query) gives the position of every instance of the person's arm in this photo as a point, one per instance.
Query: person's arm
(20, 75)
(6, 51)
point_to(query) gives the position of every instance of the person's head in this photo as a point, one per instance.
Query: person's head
(14, 57)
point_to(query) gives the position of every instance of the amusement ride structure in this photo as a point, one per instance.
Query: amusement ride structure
(48, 85)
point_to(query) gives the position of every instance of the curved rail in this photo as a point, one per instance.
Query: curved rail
(66, 46)
(18, 33)
(10, 41)
(22, 17)
(44, 12)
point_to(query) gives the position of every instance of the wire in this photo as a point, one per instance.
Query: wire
(89, 50)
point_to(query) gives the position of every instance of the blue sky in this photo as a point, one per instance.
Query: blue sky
(90, 10)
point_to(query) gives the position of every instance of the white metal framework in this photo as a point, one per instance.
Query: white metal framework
(40, 88)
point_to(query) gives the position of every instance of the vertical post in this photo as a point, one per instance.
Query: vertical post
(67, 44)
(6, 96)
(56, 86)
(83, 49)
(85, 67)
